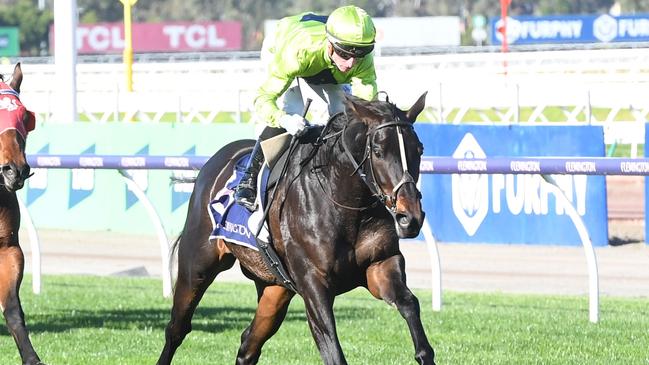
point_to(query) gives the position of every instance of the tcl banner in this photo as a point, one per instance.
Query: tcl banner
(158, 37)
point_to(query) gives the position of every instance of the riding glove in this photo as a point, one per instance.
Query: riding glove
(293, 123)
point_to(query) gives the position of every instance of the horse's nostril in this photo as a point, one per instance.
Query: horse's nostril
(403, 220)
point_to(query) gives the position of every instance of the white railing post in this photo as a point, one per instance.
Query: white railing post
(591, 259)
(159, 228)
(435, 266)
(435, 263)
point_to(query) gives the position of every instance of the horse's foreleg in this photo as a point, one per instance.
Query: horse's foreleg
(197, 268)
(319, 312)
(272, 306)
(11, 274)
(387, 280)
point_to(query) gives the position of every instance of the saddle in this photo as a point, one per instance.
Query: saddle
(234, 223)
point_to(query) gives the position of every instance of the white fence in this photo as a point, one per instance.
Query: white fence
(577, 86)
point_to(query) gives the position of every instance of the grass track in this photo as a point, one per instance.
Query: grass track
(108, 320)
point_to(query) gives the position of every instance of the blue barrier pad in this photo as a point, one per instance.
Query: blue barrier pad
(508, 208)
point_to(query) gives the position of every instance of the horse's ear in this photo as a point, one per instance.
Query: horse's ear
(355, 107)
(16, 78)
(416, 108)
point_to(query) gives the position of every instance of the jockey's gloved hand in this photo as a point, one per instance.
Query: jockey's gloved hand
(293, 123)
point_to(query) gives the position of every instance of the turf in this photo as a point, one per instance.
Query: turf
(117, 320)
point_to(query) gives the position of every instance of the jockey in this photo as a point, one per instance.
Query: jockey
(328, 53)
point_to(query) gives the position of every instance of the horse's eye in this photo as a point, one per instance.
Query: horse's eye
(377, 151)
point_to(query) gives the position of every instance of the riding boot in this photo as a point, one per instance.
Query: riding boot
(246, 191)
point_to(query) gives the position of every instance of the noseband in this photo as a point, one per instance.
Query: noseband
(389, 201)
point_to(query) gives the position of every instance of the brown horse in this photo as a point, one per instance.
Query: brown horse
(335, 223)
(15, 122)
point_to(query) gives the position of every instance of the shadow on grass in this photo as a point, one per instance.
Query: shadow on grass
(74, 303)
(207, 319)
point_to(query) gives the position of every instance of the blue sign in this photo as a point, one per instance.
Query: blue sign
(82, 181)
(571, 29)
(37, 184)
(140, 177)
(513, 208)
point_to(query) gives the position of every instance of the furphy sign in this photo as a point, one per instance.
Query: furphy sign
(473, 196)
(499, 208)
(572, 29)
(470, 192)
(158, 37)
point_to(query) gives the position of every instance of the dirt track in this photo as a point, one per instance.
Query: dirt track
(625, 197)
(623, 269)
(625, 200)
(487, 268)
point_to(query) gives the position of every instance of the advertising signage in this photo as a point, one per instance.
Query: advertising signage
(104, 38)
(424, 31)
(571, 29)
(9, 42)
(513, 208)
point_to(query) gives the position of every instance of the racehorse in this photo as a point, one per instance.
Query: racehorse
(335, 221)
(15, 122)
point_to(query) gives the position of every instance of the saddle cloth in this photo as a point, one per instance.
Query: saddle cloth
(231, 221)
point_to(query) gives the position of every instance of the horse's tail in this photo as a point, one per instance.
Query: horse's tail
(173, 262)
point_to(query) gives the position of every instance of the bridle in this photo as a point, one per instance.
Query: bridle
(5, 167)
(388, 200)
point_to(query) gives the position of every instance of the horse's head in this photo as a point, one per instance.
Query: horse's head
(15, 122)
(391, 158)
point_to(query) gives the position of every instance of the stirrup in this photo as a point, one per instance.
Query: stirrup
(246, 192)
(246, 197)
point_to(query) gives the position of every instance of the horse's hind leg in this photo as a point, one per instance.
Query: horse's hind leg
(387, 280)
(198, 264)
(272, 306)
(11, 274)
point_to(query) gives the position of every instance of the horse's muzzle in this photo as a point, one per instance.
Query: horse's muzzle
(14, 176)
(408, 214)
(408, 226)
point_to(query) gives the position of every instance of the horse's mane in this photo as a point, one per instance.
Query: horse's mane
(376, 110)
(380, 110)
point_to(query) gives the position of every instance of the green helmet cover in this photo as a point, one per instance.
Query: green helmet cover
(350, 25)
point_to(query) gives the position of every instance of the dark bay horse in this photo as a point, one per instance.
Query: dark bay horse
(335, 222)
(15, 122)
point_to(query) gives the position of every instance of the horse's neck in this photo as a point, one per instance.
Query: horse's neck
(338, 175)
(8, 200)
(9, 214)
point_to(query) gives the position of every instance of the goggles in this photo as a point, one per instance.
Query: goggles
(346, 52)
